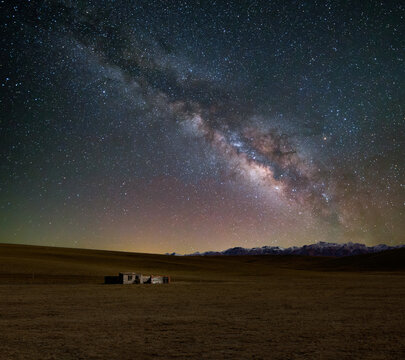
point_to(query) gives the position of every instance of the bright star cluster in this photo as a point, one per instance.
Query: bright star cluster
(163, 126)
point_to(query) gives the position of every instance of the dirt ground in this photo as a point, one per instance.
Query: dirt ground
(216, 313)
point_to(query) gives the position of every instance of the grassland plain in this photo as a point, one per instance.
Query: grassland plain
(53, 305)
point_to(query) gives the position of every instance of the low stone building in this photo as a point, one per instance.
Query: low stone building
(136, 278)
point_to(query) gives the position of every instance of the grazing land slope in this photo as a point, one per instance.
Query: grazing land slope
(53, 305)
(39, 264)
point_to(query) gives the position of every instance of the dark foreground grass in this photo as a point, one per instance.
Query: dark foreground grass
(227, 308)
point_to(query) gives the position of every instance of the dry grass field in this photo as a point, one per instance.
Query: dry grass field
(53, 305)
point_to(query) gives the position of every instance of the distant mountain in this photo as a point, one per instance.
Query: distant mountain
(319, 249)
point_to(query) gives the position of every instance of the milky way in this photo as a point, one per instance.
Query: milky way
(188, 126)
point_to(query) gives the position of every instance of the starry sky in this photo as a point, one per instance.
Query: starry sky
(160, 126)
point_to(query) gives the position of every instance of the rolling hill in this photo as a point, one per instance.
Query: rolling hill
(25, 263)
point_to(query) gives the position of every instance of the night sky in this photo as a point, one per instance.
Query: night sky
(160, 126)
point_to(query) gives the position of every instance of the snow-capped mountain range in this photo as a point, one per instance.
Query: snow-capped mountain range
(318, 249)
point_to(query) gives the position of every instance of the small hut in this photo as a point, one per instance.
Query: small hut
(136, 278)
